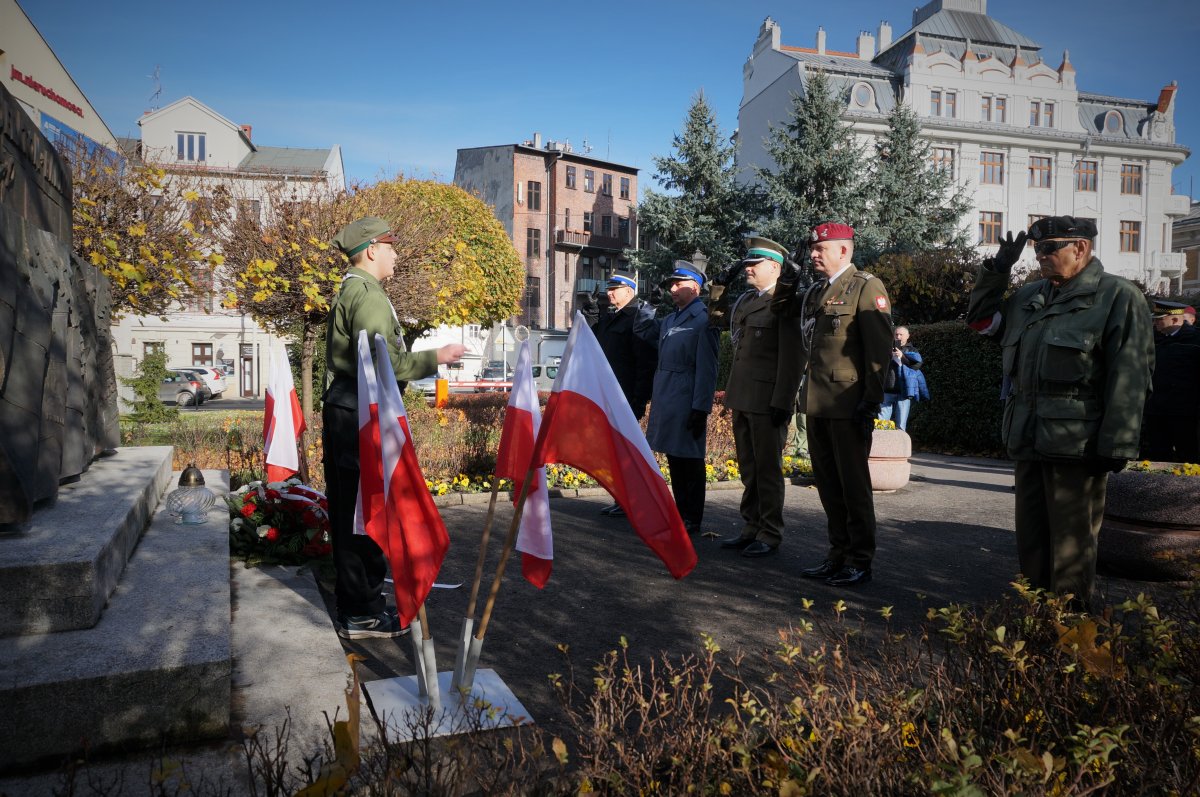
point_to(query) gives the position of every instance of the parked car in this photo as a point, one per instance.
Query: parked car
(543, 376)
(213, 377)
(195, 373)
(181, 390)
(494, 373)
(427, 386)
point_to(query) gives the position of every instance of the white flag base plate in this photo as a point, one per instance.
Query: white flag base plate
(489, 705)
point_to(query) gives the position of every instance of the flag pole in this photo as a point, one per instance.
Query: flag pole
(477, 641)
(464, 641)
(429, 661)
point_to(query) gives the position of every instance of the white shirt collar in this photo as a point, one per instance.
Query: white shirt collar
(769, 287)
(840, 272)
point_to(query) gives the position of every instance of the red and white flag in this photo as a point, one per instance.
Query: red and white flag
(416, 541)
(368, 507)
(283, 420)
(589, 425)
(522, 419)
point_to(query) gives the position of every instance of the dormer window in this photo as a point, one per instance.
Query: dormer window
(864, 97)
(189, 147)
(1114, 123)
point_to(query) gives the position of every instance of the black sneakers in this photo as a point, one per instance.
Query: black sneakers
(385, 625)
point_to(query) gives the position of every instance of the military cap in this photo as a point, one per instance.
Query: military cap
(1062, 227)
(358, 235)
(1189, 310)
(1164, 308)
(831, 231)
(764, 249)
(683, 270)
(622, 279)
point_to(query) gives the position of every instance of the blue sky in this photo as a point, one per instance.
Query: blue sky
(402, 85)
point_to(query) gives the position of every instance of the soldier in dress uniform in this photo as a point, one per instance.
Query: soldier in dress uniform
(1171, 431)
(846, 329)
(763, 381)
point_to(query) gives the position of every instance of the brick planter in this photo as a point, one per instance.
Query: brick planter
(1151, 528)
(890, 450)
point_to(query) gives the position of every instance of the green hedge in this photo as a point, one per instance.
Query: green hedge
(963, 371)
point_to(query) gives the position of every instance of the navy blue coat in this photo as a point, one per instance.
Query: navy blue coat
(685, 379)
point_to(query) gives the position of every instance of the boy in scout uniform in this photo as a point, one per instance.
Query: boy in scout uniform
(1077, 362)
(846, 327)
(362, 304)
(761, 392)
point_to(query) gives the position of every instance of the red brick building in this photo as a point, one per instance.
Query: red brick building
(570, 216)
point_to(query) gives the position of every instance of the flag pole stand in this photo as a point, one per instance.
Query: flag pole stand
(464, 639)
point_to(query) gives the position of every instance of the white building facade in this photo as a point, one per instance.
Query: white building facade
(193, 141)
(1016, 132)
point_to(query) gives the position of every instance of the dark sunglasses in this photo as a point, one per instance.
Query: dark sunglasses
(1047, 248)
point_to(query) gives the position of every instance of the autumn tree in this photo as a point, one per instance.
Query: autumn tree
(143, 229)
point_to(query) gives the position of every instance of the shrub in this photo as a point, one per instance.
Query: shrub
(928, 286)
(146, 381)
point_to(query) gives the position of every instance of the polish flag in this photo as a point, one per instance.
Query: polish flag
(283, 420)
(368, 507)
(589, 425)
(416, 541)
(522, 419)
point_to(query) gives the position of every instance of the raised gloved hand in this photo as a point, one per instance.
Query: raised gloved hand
(590, 305)
(697, 422)
(729, 273)
(657, 295)
(1009, 251)
(779, 417)
(864, 417)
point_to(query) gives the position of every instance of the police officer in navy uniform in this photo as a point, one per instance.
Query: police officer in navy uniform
(764, 378)
(1077, 358)
(1171, 430)
(846, 328)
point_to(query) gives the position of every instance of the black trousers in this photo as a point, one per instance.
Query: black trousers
(839, 460)
(359, 563)
(688, 485)
(760, 459)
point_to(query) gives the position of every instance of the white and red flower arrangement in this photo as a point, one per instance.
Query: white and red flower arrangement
(278, 523)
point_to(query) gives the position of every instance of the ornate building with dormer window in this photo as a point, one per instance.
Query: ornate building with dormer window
(1013, 129)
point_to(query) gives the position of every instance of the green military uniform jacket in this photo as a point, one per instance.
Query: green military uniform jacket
(765, 371)
(362, 304)
(1077, 362)
(847, 332)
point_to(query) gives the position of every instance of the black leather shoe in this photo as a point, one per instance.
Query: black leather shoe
(692, 527)
(608, 509)
(756, 549)
(848, 576)
(823, 570)
(737, 542)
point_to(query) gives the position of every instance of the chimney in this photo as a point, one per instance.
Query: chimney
(885, 36)
(865, 44)
(821, 41)
(537, 140)
(246, 131)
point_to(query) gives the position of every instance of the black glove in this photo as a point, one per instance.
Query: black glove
(657, 295)
(1009, 251)
(864, 416)
(729, 273)
(1101, 465)
(590, 306)
(779, 417)
(696, 423)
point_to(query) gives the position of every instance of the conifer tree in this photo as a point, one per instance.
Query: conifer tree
(711, 212)
(820, 169)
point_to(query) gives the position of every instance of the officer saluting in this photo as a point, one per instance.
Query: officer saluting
(1172, 427)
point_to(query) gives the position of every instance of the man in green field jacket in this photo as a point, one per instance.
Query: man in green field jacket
(362, 304)
(1078, 352)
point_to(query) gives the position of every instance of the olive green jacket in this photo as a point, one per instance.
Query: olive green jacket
(1077, 362)
(765, 371)
(362, 304)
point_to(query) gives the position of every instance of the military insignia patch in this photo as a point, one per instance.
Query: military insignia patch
(881, 302)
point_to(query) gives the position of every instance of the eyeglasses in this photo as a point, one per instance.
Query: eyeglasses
(1047, 248)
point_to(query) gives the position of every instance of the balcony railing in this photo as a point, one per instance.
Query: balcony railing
(586, 285)
(1171, 264)
(588, 239)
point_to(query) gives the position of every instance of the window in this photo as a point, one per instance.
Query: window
(1035, 113)
(535, 195)
(1048, 114)
(1000, 113)
(991, 168)
(606, 185)
(993, 109)
(566, 218)
(606, 226)
(1039, 172)
(202, 354)
(951, 99)
(586, 270)
(623, 230)
(587, 221)
(533, 292)
(1114, 123)
(1131, 236)
(625, 184)
(1191, 260)
(533, 242)
(985, 109)
(935, 103)
(153, 347)
(570, 177)
(589, 181)
(942, 160)
(943, 103)
(989, 227)
(189, 147)
(1041, 114)
(1131, 179)
(1085, 176)
(1033, 219)
(864, 97)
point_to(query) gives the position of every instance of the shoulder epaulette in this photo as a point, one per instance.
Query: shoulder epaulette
(864, 275)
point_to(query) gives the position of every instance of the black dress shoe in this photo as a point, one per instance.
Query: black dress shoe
(608, 509)
(823, 570)
(756, 549)
(692, 527)
(736, 543)
(848, 576)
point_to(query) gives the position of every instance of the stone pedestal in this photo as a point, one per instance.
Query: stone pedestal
(890, 451)
(1151, 527)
